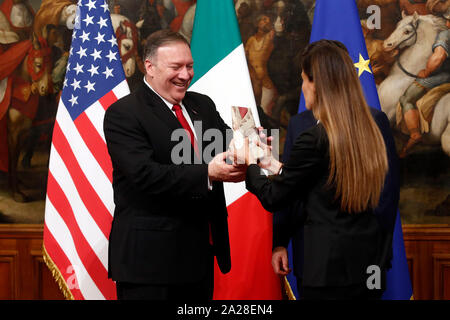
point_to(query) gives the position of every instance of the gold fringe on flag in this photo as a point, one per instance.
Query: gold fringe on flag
(288, 289)
(57, 275)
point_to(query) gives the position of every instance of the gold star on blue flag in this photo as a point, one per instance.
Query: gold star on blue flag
(362, 65)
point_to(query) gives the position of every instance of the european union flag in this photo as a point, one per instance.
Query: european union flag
(339, 20)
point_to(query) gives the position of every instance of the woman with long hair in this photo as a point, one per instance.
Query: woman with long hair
(336, 171)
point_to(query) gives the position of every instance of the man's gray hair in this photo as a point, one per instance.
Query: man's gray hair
(160, 38)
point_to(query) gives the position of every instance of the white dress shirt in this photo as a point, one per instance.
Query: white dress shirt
(185, 114)
(170, 105)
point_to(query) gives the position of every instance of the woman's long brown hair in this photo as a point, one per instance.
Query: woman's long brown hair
(358, 160)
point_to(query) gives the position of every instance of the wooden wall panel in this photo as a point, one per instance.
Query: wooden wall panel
(8, 275)
(428, 253)
(441, 266)
(44, 286)
(412, 260)
(24, 275)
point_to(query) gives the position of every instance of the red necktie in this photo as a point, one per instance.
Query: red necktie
(186, 126)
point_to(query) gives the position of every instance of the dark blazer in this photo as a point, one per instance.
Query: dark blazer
(160, 230)
(337, 247)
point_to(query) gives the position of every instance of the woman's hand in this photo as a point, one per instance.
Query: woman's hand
(241, 152)
(280, 262)
(267, 162)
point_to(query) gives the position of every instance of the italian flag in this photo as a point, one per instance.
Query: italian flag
(221, 72)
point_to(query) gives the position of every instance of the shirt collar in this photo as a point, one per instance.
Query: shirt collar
(170, 105)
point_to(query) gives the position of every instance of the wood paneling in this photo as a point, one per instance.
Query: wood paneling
(44, 285)
(441, 265)
(8, 277)
(24, 275)
(428, 253)
(412, 265)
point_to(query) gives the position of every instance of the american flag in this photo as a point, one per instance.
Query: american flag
(79, 206)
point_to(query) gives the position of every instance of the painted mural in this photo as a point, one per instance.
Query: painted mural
(402, 37)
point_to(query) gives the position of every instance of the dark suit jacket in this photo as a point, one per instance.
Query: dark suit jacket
(338, 247)
(160, 230)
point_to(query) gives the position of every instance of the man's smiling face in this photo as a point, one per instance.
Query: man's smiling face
(171, 70)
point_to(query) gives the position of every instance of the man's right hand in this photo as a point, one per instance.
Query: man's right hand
(280, 261)
(219, 170)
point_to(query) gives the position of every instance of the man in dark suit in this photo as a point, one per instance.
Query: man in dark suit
(287, 223)
(170, 218)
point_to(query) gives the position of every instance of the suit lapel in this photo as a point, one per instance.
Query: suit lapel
(197, 115)
(193, 110)
(159, 108)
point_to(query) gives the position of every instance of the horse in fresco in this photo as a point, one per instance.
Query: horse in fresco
(127, 35)
(390, 11)
(414, 38)
(380, 60)
(28, 76)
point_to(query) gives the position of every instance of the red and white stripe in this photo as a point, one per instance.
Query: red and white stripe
(80, 206)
